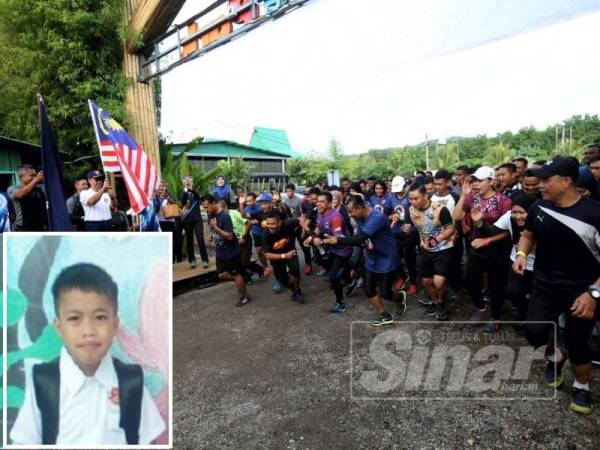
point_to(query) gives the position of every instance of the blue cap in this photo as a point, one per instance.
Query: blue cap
(94, 174)
(264, 197)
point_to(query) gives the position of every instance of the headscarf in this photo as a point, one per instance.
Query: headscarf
(221, 192)
(525, 201)
(338, 196)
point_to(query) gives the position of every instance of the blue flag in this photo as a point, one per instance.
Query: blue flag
(58, 216)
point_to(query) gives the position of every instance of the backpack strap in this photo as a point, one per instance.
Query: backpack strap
(46, 383)
(131, 389)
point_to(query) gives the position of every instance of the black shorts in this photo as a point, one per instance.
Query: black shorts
(385, 281)
(435, 263)
(281, 268)
(231, 265)
(257, 238)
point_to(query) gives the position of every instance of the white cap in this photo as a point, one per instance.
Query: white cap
(398, 184)
(484, 172)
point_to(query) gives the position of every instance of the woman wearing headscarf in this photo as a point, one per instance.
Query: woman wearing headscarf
(222, 191)
(513, 221)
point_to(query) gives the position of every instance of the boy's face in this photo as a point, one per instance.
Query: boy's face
(87, 322)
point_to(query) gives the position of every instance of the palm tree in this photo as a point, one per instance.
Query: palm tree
(497, 154)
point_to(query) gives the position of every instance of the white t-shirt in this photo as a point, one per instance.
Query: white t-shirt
(98, 211)
(447, 200)
(87, 415)
(504, 223)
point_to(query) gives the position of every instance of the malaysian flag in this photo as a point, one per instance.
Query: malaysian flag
(120, 153)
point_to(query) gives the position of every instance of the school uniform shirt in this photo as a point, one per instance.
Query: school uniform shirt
(87, 415)
(381, 255)
(507, 224)
(98, 211)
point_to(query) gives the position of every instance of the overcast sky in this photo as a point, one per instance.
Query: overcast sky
(387, 75)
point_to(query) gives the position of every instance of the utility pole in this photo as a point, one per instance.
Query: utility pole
(426, 153)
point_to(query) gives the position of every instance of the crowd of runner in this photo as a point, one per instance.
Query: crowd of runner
(526, 236)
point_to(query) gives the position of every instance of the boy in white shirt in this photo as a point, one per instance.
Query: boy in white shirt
(86, 397)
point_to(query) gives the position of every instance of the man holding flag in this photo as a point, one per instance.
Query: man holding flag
(119, 152)
(96, 203)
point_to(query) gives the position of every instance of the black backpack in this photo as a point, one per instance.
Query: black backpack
(46, 382)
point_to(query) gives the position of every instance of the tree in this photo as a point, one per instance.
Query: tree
(69, 51)
(335, 153)
(447, 157)
(496, 155)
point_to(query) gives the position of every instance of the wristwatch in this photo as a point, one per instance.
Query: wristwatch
(594, 291)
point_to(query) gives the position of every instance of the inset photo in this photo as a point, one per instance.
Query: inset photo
(87, 328)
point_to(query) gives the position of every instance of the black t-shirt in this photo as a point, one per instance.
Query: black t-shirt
(284, 240)
(309, 209)
(567, 252)
(224, 248)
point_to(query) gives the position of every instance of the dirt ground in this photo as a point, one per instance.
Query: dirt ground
(276, 374)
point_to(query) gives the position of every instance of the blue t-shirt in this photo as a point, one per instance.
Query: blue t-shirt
(395, 205)
(224, 248)
(381, 255)
(255, 229)
(378, 203)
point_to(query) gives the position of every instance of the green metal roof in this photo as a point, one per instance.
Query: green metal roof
(224, 149)
(273, 139)
(14, 143)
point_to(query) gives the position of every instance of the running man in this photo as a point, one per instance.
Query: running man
(381, 256)
(436, 227)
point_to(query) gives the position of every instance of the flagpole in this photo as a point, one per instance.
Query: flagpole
(40, 102)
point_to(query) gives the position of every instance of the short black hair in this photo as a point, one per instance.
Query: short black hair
(427, 180)
(356, 201)
(521, 159)
(530, 173)
(274, 214)
(326, 195)
(417, 187)
(345, 179)
(356, 187)
(419, 173)
(314, 190)
(508, 166)
(86, 277)
(372, 178)
(463, 168)
(442, 174)
(362, 180)
(594, 159)
(207, 198)
(251, 194)
(291, 186)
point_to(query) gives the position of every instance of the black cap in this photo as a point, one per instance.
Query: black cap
(94, 174)
(564, 166)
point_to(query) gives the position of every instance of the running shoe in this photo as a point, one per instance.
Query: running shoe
(426, 301)
(553, 375)
(399, 284)
(308, 269)
(452, 295)
(322, 272)
(581, 401)
(492, 326)
(278, 287)
(205, 264)
(193, 264)
(441, 312)
(480, 315)
(351, 288)
(300, 296)
(244, 300)
(412, 289)
(385, 319)
(338, 308)
(401, 304)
